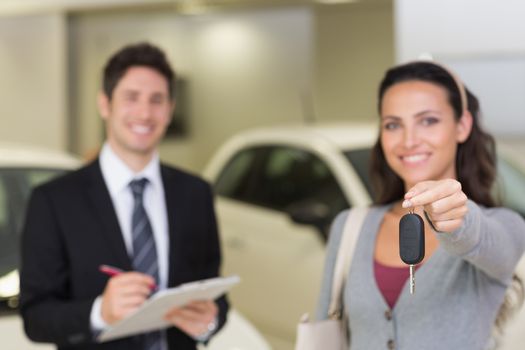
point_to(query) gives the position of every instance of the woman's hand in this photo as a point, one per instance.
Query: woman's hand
(443, 201)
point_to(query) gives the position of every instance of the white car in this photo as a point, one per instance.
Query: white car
(278, 189)
(21, 168)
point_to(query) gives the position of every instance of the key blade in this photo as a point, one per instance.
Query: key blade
(412, 280)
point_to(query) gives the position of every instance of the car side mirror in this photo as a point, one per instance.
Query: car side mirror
(311, 213)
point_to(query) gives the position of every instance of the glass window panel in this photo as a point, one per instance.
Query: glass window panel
(15, 188)
(234, 180)
(511, 186)
(360, 160)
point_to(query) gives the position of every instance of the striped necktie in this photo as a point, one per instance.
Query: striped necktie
(144, 250)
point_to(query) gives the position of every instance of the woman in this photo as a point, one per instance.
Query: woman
(433, 157)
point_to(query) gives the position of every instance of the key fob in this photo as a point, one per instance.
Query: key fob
(411, 239)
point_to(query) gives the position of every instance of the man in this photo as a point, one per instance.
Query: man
(127, 210)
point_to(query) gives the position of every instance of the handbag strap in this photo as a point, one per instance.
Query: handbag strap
(351, 230)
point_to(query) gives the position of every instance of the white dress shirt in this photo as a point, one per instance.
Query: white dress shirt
(117, 176)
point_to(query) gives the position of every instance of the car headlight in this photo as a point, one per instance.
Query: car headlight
(10, 285)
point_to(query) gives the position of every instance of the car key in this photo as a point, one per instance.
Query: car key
(412, 243)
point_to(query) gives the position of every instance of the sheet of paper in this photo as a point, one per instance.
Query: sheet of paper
(150, 316)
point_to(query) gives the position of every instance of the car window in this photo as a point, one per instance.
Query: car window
(15, 188)
(235, 180)
(511, 186)
(360, 160)
(3, 209)
(277, 177)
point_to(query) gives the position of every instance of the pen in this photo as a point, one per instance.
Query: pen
(110, 270)
(114, 271)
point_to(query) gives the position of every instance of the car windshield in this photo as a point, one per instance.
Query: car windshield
(15, 188)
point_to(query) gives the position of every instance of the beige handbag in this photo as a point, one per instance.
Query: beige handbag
(331, 334)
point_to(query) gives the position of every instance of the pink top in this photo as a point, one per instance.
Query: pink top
(390, 281)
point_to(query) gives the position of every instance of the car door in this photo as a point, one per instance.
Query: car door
(280, 262)
(15, 188)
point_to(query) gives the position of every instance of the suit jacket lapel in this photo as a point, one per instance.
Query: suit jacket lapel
(174, 205)
(100, 200)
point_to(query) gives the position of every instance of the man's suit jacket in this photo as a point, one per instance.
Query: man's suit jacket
(71, 228)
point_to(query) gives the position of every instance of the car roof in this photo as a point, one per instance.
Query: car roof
(344, 135)
(13, 155)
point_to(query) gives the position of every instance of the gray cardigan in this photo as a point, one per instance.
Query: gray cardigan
(458, 290)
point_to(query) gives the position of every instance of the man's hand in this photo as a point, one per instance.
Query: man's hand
(123, 294)
(443, 201)
(195, 318)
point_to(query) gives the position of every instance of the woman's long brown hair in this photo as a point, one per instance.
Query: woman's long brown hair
(475, 158)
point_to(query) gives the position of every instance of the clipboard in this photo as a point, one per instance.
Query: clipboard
(150, 316)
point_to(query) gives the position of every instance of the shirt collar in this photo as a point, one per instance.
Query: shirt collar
(118, 175)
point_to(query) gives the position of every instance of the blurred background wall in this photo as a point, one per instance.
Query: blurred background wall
(242, 63)
(246, 63)
(33, 99)
(482, 41)
(241, 68)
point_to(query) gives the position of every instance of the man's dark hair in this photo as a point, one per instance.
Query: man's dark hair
(140, 54)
